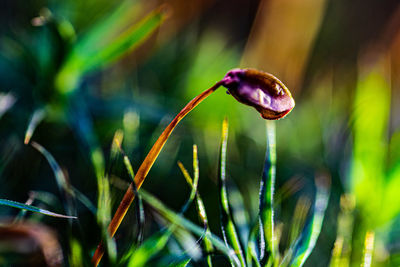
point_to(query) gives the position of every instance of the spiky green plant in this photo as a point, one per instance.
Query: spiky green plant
(258, 247)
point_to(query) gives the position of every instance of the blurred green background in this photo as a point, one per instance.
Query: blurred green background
(85, 69)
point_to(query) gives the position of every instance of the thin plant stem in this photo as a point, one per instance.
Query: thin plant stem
(146, 166)
(368, 249)
(267, 188)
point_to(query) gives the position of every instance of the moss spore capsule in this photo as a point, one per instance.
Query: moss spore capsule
(261, 90)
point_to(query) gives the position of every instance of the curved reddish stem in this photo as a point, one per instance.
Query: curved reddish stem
(146, 166)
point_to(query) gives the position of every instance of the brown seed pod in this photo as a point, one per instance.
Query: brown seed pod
(261, 90)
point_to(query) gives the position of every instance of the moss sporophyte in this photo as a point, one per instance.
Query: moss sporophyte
(261, 90)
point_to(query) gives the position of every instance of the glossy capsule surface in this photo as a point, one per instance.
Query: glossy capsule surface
(261, 90)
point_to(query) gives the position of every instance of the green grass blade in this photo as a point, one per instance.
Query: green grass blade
(149, 248)
(91, 42)
(187, 244)
(308, 238)
(100, 34)
(18, 205)
(37, 117)
(186, 174)
(368, 249)
(182, 263)
(89, 55)
(208, 245)
(184, 238)
(391, 199)
(227, 224)
(194, 183)
(82, 123)
(116, 148)
(28, 202)
(252, 246)
(61, 180)
(76, 255)
(127, 41)
(84, 200)
(341, 253)
(299, 217)
(138, 200)
(182, 222)
(128, 167)
(201, 211)
(239, 213)
(267, 187)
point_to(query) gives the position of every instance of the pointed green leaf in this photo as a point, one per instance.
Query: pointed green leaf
(181, 221)
(88, 55)
(368, 249)
(201, 211)
(37, 117)
(193, 183)
(227, 224)
(252, 246)
(341, 252)
(239, 212)
(84, 200)
(182, 263)
(304, 245)
(299, 217)
(62, 182)
(149, 248)
(19, 205)
(127, 41)
(138, 199)
(22, 213)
